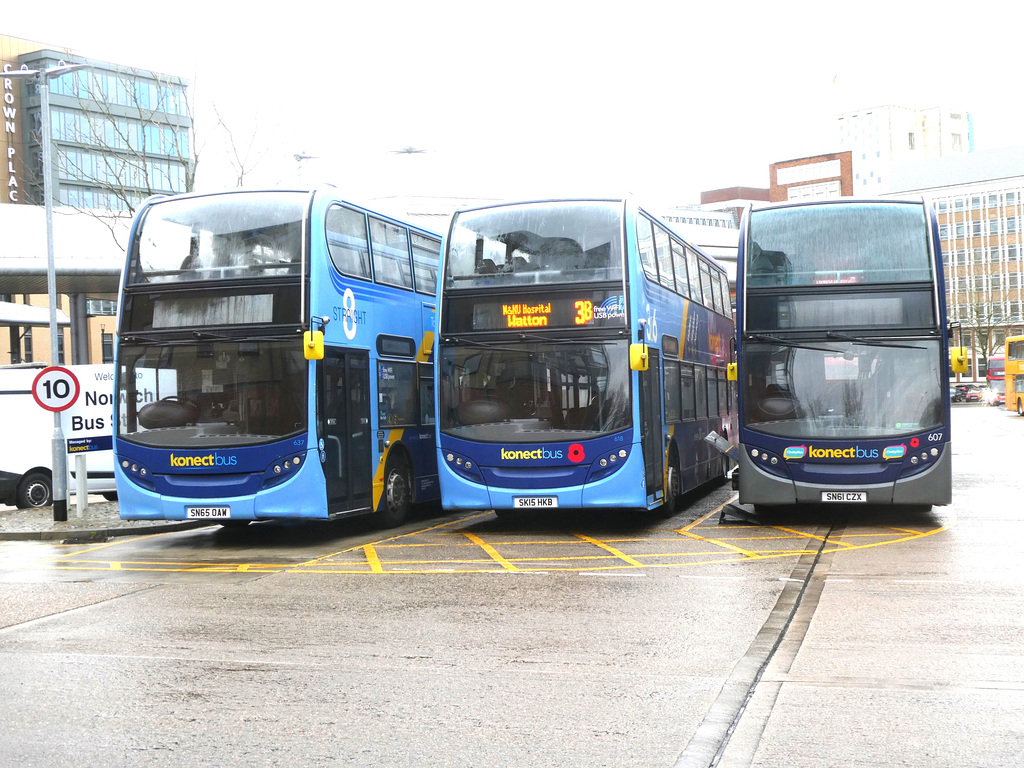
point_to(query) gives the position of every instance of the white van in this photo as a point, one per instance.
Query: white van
(26, 434)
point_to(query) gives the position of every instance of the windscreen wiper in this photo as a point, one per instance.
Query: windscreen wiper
(472, 343)
(134, 338)
(867, 342)
(769, 339)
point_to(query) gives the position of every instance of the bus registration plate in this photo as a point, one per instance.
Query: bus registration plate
(534, 502)
(208, 513)
(844, 496)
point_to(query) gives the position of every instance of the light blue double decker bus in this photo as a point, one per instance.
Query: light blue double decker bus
(274, 360)
(581, 359)
(843, 355)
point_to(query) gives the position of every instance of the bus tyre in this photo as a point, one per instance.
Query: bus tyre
(397, 492)
(34, 490)
(673, 488)
(1020, 407)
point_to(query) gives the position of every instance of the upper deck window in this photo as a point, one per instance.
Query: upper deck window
(243, 235)
(564, 242)
(838, 243)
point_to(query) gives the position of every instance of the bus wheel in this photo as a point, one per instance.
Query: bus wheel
(1020, 407)
(673, 488)
(397, 492)
(34, 491)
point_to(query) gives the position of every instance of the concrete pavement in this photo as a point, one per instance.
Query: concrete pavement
(100, 520)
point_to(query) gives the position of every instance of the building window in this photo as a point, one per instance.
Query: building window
(27, 346)
(107, 346)
(97, 307)
(975, 229)
(957, 145)
(910, 140)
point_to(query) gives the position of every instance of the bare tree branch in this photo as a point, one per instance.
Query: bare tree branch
(130, 135)
(241, 160)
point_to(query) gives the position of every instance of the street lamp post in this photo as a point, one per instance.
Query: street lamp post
(58, 453)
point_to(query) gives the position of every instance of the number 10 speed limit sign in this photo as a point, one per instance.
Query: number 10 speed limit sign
(55, 388)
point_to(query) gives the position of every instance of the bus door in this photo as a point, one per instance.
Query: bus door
(345, 393)
(650, 424)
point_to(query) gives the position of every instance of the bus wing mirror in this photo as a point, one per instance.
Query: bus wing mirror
(638, 356)
(958, 359)
(730, 372)
(313, 345)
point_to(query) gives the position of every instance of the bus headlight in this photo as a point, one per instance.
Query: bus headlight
(281, 470)
(463, 467)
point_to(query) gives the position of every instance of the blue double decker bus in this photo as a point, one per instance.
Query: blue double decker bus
(843, 355)
(274, 360)
(581, 359)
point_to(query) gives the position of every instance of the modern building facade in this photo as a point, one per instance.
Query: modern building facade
(880, 138)
(979, 202)
(118, 134)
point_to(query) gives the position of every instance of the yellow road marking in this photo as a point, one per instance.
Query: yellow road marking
(491, 551)
(316, 560)
(372, 559)
(725, 549)
(619, 554)
(717, 542)
(824, 539)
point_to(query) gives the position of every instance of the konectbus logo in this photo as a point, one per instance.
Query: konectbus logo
(211, 460)
(575, 454)
(850, 452)
(536, 454)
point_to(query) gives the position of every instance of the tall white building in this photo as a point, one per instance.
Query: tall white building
(882, 137)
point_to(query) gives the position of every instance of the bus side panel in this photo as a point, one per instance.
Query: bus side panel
(933, 486)
(457, 493)
(759, 487)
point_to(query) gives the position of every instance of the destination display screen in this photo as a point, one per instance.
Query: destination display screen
(533, 311)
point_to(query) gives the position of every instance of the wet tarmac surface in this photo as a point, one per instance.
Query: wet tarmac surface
(850, 637)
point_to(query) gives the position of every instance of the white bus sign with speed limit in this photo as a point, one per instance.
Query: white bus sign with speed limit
(56, 388)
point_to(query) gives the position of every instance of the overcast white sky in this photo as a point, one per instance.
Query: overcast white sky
(662, 99)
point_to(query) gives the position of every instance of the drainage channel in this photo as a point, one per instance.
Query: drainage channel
(779, 639)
